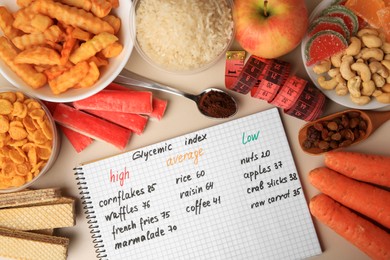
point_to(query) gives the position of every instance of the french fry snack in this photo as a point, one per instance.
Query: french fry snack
(72, 16)
(6, 21)
(25, 71)
(69, 78)
(91, 47)
(45, 40)
(39, 56)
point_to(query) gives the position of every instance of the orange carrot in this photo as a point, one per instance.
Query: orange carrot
(369, 238)
(364, 167)
(365, 198)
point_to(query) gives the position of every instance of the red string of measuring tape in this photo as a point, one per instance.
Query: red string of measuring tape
(270, 80)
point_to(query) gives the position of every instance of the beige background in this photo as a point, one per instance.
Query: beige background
(182, 117)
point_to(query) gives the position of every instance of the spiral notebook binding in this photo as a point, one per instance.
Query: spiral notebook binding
(90, 214)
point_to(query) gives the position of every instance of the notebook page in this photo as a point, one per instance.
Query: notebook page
(230, 191)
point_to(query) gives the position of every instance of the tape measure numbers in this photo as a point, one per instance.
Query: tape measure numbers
(270, 80)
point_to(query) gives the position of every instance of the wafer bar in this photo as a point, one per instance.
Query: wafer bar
(29, 197)
(17, 244)
(55, 214)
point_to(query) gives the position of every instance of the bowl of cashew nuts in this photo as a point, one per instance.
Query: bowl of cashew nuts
(359, 76)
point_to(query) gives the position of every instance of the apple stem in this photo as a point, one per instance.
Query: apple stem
(265, 8)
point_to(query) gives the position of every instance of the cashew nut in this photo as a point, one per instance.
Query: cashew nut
(341, 89)
(386, 88)
(353, 85)
(345, 67)
(377, 92)
(362, 100)
(383, 98)
(368, 88)
(364, 31)
(363, 70)
(386, 57)
(322, 67)
(386, 47)
(371, 41)
(327, 84)
(355, 46)
(386, 63)
(340, 79)
(334, 72)
(377, 67)
(336, 59)
(379, 81)
(374, 53)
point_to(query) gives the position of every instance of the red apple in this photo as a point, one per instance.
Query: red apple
(270, 29)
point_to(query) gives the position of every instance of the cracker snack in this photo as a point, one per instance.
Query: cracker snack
(47, 34)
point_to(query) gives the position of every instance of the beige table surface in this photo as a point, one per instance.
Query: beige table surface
(182, 117)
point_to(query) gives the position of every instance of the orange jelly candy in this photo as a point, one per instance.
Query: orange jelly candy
(367, 9)
(384, 19)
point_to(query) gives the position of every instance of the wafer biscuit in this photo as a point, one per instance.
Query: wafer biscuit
(56, 214)
(26, 245)
(29, 197)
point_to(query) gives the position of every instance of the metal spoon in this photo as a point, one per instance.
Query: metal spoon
(212, 102)
(374, 120)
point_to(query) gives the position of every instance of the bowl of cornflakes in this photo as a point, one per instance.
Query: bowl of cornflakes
(29, 140)
(62, 54)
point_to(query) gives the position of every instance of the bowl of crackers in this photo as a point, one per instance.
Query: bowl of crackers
(29, 140)
(63, 51)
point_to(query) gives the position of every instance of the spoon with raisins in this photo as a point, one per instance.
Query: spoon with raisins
(340, 130)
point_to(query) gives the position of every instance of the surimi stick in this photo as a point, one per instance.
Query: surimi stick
(368, 237)
(134, 122)
(159, 105)
(77, 140)
(27, 245)
(136, 102)
(28, 197)
(92, 126)
(367, 199)
(55, 214)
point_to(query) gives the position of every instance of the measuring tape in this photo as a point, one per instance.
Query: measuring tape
(270, 80)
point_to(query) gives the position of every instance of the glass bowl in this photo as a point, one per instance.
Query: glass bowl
(20, 157)
(170, 43)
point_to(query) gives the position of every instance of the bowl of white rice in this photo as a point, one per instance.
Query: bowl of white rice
(183, 36)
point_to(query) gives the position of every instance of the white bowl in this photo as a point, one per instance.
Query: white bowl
(108, 74)
(331, 94)
(175, 67)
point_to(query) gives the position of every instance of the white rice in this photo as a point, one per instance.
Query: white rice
(182, 35)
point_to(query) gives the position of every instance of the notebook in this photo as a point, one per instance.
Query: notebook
(230, 191)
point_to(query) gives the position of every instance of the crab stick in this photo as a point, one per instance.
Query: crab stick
(137, 102)
(134, 122)
(77, 140)
(92, 126)
(159, 105)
